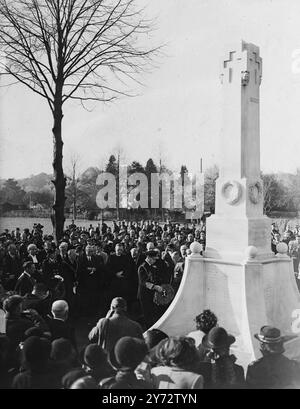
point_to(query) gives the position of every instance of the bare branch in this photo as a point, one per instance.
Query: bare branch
(72, 49)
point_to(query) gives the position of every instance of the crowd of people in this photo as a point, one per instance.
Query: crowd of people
(139, 261)
(119, 280)
(42, 354)
(291, 237)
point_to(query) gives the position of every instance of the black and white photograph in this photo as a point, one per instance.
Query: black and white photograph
(149, 197)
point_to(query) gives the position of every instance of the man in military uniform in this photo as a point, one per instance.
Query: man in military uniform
(273, 370)
(149, 282)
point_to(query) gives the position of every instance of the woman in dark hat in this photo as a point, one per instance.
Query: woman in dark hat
(96, 362)
(38, 374)
(129, 353)
(221, 371)
(178, 357)
(273, 370)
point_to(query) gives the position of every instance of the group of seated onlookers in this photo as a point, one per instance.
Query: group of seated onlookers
(38, 353)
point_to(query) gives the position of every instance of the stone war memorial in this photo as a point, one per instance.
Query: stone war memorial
(238, 277)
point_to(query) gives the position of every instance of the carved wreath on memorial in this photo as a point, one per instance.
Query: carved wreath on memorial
(232, 192)
(255, 192)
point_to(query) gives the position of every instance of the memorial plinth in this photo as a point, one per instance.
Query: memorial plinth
(239, 278)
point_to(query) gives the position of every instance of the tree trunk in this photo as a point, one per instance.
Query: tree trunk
(74, 198)
(59, 181)
(74, 210)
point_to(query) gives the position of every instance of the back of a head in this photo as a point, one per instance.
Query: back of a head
(60, 309)
(153, 337)
(62, 350)
(12, 303)
(118, 304)
(130, 352)
(36, 351)
(87, 382)
(95, 357)
(178, 352)
(206, 321)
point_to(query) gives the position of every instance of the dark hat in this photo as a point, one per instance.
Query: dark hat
(272, 335)
(151, 253)
(217, 338)
(130, 352)
(36, 350)
(27, 264)
(10, 303)
(95, 356)
(61, 349)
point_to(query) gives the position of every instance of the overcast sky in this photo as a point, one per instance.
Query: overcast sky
(179, 111)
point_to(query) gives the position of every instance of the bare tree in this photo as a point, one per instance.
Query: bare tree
(74, 178)
(87, 50)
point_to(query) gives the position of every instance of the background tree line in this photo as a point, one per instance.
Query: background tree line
(281, 191)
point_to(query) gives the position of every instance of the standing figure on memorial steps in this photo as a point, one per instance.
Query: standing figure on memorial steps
(149, 283)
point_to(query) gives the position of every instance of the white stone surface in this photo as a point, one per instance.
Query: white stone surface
(246, 287)
(244, 296)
